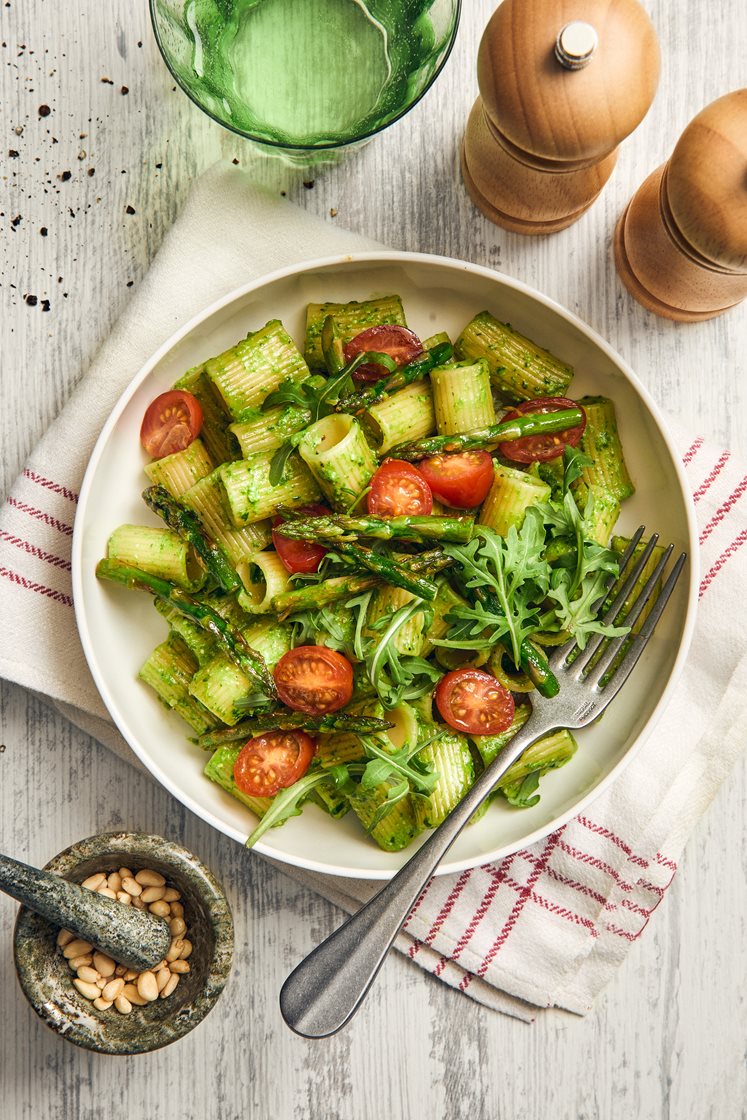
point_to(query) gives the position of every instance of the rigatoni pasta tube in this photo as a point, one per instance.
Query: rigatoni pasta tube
(462, 397)
(251, 496)
(407, 414)
(178, 472)
(251, 369)
(208, 500)
(268, 430)
(159, 552)
(601, 442)
(510, 496)
(337, 454)
(264, 576)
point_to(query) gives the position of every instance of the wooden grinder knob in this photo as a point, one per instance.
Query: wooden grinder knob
(562, 83)
(681, 244)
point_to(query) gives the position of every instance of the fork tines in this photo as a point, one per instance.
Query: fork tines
(628, 647)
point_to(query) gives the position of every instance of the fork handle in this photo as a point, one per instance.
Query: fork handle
(325, 990)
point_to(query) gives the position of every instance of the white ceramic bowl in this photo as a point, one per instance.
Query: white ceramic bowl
(119, 628)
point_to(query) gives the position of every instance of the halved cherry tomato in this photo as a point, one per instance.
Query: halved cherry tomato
(401, 345)
(461, 479)
(533, 449)
(170, 423)
(300, 556)
(475, 702)
(399, 490)
(272, 761)
(314, 679)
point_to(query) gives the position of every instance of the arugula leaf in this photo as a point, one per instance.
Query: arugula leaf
(287, 803)
(402, 764)
(514, 570)
(522, 794)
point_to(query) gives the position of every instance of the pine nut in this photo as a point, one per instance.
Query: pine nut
(138, 903)
(173, 981)
(76, 948)
(162, 979)
(90, 991)
(177, 910)
(131, 993)
(123, 1005)
(177, 926)
(148, 878)
(125, 873)
(179, 966)
(64, 937)
(104, 964)
(114, 882)
(101, 983)
(102, 1004)
(152, 894)
(130, 974)
(123, 896)
(175, 951)
(171, 895)
(107, 893)
(161, 908)
(113, 988)
(186, 949)
(147, 986)
(131, 886)
(76, 962)
(160, 965)
(90, 975)
(93, 882)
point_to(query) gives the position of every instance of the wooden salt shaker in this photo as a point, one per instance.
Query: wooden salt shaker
(562, 83)
(681, 244)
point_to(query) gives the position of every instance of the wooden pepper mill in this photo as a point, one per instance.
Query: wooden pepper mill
(562, 83)
(681, 244)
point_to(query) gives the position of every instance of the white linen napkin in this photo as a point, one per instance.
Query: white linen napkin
(544, 927)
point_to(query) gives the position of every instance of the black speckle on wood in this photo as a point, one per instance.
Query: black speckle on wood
(44, 110)
(91, 172)
(107, 81)
(129, 209)
(15, 222)
(31, 300)
(309, 184)
(44, 231)
(45, 305)
(124, 91)
(65, 175)
(12, 153)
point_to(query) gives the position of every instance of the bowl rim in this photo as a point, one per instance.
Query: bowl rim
(217, 907)
(330, 146)
(393, 257)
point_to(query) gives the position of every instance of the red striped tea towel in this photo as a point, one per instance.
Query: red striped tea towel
(546, 926)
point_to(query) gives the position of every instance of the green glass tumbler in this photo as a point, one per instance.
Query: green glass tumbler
(305, 75)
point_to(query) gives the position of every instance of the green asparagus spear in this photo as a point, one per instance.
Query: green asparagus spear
(413, 371)
(337, 527)
(391, 571)
(314, 595)
(529, 424)
(229, 638)
(186, 523)
(288, 721)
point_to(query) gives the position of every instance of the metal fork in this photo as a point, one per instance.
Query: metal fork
(326, 989)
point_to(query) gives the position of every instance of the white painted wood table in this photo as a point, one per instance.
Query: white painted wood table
(87, 194)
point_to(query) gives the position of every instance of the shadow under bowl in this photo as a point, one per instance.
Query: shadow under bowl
(46, 979)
